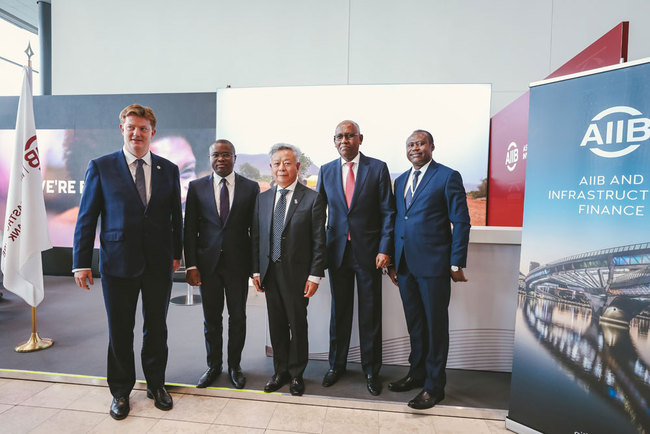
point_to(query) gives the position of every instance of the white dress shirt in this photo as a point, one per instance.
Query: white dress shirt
(131, 161)
(230, 185)
(409, 181)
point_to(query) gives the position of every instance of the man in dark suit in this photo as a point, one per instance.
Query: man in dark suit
(137, 195)
(218, 217)
(361, 214)
(429, 197)
(288, 238)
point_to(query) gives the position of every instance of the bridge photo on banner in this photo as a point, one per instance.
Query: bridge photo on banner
(582, 352)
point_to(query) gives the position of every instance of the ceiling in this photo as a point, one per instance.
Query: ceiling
(22, 13)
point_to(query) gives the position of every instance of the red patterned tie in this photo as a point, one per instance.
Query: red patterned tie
(349, 186)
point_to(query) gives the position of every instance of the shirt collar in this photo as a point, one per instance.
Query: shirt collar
(130, 158)
(355, 160)
(423, 168)
(230, 178)
(291, 187)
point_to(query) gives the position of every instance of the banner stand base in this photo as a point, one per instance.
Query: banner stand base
(519, 428)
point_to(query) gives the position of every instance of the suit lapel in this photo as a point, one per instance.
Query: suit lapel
(266, 210)
(338, 182)
(295, 201)
(428, 175)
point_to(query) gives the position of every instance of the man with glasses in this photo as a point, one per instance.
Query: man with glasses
(430, 198)
(359, 245)
(218, 217)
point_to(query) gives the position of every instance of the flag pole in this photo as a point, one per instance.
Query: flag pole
(35, 342)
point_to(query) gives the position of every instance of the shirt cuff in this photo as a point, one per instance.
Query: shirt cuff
(193, 267)
(74, 270)
(256, 274)
(315, 279)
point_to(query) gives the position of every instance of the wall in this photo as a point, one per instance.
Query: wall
(123, 46)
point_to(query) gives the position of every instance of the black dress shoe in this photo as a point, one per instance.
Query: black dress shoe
(277, 381)
(208, 377)
(161, 398)
(332, 376)
(374, 385)
(425, 399)
(405, 384)
(120, 408)
(237, 378)
(297, 386)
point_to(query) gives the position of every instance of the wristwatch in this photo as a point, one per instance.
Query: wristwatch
(455, 268)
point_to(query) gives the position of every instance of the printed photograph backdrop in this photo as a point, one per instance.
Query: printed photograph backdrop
(72, 130)
(457, 115)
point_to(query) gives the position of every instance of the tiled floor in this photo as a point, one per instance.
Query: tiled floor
(45, 407)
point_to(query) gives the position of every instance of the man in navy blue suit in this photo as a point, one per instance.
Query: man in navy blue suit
(137, 195)
(361, 214)
(218, 218)
(429, 198)
(288, 238)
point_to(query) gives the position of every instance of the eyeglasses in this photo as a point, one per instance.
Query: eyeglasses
(221, 155)
(348, 136)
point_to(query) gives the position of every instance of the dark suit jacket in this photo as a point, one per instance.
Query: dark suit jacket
(303, 238)
(370, 218)
(131, 235)
(422, 232)
(207, 239)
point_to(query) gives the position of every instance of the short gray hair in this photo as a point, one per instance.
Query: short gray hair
(285, 147)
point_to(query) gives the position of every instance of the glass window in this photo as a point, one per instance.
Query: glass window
(12, 56)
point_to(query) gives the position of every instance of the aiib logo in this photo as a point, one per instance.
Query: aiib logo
(616, 137)
(512, 155)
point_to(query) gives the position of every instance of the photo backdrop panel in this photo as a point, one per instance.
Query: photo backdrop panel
(457, 115)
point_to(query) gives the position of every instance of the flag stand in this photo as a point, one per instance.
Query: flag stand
(35, 342)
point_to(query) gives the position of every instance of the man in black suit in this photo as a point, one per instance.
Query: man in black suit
(137, 195)
(288, 237)
(360, 221)
(218, 217)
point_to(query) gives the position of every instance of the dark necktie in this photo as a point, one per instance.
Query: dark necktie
(410, 191)
(224, 202)
(278, 226)
(139, 181)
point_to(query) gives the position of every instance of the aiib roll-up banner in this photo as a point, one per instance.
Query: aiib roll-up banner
(582, 353)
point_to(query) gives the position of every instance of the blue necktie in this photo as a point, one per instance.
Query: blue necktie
(139, 181)
(409, 192)
(224, 202)
(278, 225)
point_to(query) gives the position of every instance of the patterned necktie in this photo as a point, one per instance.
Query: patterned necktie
(139, 181)
(410, 191)
(278, 225)
(224, 202)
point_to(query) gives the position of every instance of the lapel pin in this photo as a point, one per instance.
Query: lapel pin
(158, 167)
(295, 201)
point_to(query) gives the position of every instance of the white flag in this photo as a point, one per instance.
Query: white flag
(25, 226)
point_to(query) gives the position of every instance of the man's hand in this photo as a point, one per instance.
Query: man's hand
(193, 277)
(458, 276)
(177, 264)
(81, 276)
(382, 260)
(393, 275)
(258, 284)
(310, 288)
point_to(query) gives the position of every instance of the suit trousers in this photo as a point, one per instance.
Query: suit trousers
(287, 311)
(121, 300)
(214, 287)
(369, 308)
(426, 302)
